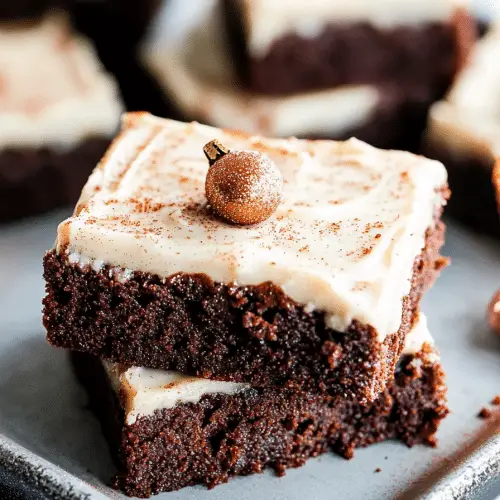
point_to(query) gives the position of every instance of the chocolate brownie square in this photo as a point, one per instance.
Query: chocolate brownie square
(284, 47)
(463, 132)
(387, 110)
(58, 113)
(320, 295)
(168, 431)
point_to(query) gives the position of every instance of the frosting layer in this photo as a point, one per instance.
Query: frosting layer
(468, 120)
(53, 90)
(343, 241)
(146, 390)
(199, 77)
(268, 21)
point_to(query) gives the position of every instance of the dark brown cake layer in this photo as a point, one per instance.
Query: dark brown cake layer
(253, 334)
(421, 56)
(473, 202)
(226, 435)
(33, 181)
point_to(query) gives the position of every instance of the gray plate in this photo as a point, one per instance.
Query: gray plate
(48, 436)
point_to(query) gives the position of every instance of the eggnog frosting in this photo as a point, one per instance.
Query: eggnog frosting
(145, 390)
(266, 21)
(343, 240)
(53, 90)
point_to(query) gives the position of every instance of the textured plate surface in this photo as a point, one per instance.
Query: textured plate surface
(47, 436)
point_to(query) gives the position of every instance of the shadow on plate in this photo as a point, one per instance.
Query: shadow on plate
(44, 409)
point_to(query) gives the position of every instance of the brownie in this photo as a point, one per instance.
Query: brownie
(58, 114)
(197, 77)
(462, 132)
(425, 54)
(33, 181)
(222, 435)
(145, 274)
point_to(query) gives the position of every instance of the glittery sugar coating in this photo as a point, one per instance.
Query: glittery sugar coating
(494, 313)
(244, 187)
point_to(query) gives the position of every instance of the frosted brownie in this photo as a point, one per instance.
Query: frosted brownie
(320, 295)
(58, 113)
(284, 47)
(464, 132)
(168, 431)
(197, 77)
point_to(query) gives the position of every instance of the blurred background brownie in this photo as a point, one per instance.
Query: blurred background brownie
(464, 133)
(286, 47)
(58, 112)
(322, 70)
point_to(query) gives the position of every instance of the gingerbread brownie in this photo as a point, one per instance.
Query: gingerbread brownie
(320, 295)
(168, 431)
(58, 113)
(463, 132)
(197, 76)
(285, 47)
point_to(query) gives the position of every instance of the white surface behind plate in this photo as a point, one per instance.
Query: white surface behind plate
(43, 409)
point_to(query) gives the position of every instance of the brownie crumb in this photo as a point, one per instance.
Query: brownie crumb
(496, 400)
(484, 413)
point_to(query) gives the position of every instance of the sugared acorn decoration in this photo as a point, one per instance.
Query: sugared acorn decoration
(494, 313)
(243, 187)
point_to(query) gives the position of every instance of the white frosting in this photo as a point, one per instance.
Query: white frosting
(197, 75)
(343, 241)
(418, 336)
(53, 90)
(145, 390)
(267, 21)
(468, 121)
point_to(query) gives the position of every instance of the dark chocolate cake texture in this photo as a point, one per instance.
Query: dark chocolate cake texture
(168, 431)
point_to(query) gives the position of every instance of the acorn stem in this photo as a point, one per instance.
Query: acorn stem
(214, 150)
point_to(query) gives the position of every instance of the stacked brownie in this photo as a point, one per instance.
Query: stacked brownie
(360, 69)
(464, 133)
(58, 113)
(286, 305)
